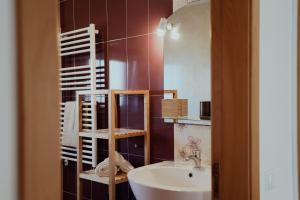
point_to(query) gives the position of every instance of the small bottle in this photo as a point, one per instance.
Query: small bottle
(205, 110)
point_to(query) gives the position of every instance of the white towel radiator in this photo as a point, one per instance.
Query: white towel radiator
(88, 77)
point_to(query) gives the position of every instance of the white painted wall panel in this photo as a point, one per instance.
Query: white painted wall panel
(278, 100)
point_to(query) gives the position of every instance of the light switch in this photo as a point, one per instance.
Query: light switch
(269, 180)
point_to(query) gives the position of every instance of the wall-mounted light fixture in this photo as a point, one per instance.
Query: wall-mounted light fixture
(175, 34)
(162, 27)
(165, 26)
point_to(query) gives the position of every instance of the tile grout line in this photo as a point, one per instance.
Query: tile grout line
(124, 38)
(89, 11)
(107, 25)
(73, 6)
(69, 193)
(106, 54)
(139, 156)
(127, 63)
(149, 71)
(127, 67)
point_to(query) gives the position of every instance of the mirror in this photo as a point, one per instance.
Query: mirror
(187, 46)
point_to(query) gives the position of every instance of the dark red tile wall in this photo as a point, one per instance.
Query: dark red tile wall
(126, 35)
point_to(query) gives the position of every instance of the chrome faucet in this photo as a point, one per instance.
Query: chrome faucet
(196, 157)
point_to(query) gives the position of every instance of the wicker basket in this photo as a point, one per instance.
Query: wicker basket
(174, 108)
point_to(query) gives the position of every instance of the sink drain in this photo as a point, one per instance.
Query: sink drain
(190, 175)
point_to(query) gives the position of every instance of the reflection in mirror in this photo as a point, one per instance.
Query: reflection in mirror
(187, 45)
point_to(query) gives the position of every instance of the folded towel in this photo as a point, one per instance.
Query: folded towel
(124, 165)
(70, 124)
(103, 168)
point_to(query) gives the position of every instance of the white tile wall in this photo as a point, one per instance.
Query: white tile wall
(188, 137)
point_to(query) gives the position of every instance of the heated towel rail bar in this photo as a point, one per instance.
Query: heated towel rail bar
(77, 44)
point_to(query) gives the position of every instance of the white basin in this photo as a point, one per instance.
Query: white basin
(171, 181)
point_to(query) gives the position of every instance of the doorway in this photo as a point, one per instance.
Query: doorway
(233, 40)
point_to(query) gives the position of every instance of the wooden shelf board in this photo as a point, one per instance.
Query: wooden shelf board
(130, 92)
(192, 121)
(126, 133)
(119, 133)
(96, 92)
(91, 176)
(101, 134)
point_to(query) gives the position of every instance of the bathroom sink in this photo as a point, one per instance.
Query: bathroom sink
(171, 181)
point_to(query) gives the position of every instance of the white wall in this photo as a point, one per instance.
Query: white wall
(278, 100)
(189, 137)
(8, 186)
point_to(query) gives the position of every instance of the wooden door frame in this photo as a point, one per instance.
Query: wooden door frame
(234, 92)
(254, 105)
(235, 99)
(38, 100)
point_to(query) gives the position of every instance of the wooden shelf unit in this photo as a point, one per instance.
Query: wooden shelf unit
(91, 176)
(112, 133)
(118, 134)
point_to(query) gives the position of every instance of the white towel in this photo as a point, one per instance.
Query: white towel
(103, 168)
(124, 165)
(70, 125)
